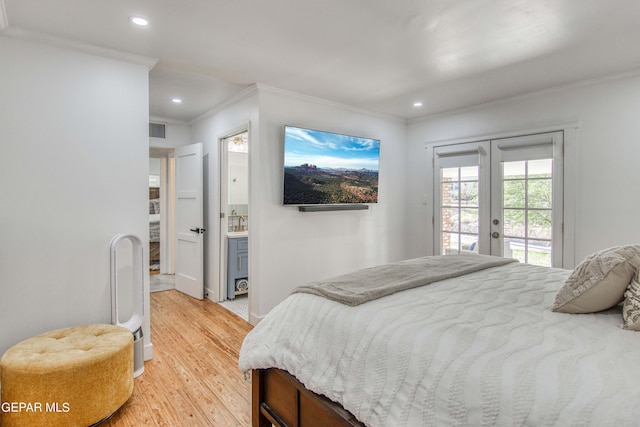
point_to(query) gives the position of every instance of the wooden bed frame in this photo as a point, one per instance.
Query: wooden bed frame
(279, 399)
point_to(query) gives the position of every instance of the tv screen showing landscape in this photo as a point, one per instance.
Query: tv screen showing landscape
(329, 168)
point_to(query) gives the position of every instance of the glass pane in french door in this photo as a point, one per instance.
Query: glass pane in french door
(459, 209)
(527, 210)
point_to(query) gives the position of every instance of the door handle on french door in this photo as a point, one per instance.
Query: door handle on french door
(198, 230)
(495, 234)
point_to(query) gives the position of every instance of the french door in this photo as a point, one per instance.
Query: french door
(501, 197)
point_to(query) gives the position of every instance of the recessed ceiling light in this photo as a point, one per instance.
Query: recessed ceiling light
(176, 100)
(417, 104)
(140, 21)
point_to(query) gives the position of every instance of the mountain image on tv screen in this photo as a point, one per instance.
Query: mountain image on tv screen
(329, 168)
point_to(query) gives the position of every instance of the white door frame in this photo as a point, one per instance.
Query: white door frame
(218, 291)
(167, 208)
(167, 223)
(571, 147)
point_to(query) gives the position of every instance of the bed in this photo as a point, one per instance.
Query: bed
(483, 348)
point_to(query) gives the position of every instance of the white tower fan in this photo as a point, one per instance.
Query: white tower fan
(134, 324)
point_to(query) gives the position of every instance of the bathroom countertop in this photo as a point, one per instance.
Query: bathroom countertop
(233, 234)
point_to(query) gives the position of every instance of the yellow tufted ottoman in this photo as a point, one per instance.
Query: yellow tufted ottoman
(69, 377)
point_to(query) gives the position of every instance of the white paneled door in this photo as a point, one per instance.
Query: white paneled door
(501, 197)
(189, 221)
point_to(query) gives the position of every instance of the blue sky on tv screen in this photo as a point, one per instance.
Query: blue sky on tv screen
(329, 150)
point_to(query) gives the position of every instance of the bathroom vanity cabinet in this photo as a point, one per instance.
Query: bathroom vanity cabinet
(237, 266)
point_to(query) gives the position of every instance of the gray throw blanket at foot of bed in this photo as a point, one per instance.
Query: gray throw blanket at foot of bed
(375, 282)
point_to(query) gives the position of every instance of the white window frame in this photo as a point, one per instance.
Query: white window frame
(570, 155)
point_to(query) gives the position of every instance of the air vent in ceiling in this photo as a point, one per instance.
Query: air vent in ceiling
(156, 130)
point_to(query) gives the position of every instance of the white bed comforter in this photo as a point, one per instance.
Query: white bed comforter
(482, 349)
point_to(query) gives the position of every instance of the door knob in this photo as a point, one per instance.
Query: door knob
(197, 230)
(495, 234)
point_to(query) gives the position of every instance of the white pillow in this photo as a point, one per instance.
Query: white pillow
(599, 282)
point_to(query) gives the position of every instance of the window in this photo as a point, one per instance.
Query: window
(501, 197)
(459, 209)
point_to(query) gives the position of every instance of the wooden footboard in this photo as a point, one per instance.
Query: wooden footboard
(280, 399)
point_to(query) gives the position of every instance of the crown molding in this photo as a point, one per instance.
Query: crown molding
(33, 36)
(244, 94)
(621, 75)
(4, 21)
(167, 121)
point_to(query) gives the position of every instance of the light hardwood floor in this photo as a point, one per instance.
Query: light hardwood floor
(193, 378)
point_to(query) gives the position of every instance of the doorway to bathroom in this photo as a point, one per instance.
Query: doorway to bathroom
(234, 224)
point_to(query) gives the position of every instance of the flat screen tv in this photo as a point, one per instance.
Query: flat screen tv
(324, 168)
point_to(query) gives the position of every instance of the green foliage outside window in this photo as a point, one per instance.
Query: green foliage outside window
(528, 201)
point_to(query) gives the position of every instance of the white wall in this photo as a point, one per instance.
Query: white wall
(604, 156)
(74, 138)
(293, 247)
(288, 248)
(176, 135)
(238, 178)
(234, 117)
(155, 166)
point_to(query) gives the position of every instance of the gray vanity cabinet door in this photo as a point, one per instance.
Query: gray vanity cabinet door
(237, 263)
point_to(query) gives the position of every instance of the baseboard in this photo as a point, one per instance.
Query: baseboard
(254, 320)
(209, 294)
(148, 351)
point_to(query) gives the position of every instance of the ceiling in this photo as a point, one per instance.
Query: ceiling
(377, 55)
